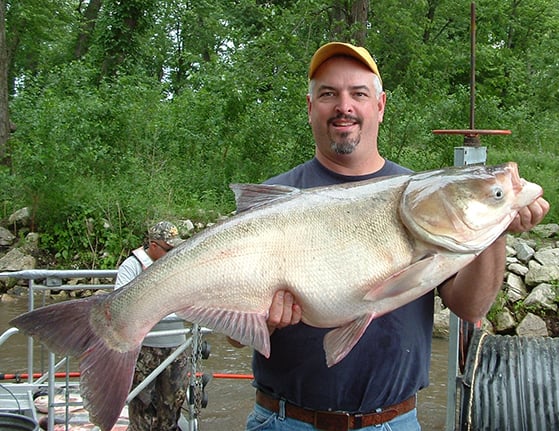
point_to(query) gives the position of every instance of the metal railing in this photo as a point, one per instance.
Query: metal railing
(48, 280)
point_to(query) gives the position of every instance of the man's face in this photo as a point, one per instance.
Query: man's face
(344, 109)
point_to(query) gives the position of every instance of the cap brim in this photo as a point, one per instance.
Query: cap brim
(175, 242)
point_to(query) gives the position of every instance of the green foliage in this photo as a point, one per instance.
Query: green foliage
(88, 239)
(555, 285)
(533, 146)
(499, 305)
(175, 100)
(38, 34)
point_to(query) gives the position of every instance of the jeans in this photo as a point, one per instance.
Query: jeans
(261, 419)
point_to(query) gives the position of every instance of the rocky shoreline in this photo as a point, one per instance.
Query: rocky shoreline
(527, 304)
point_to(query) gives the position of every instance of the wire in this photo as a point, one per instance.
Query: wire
(14, 397)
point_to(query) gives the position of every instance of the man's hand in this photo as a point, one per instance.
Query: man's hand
(471, 292)
(529, 216)
(283, 311)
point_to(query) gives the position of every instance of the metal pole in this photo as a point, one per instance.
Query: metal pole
(470, 153)
(451, 388)
(30, 353)
(159, 369)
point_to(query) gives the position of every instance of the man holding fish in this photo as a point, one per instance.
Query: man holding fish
(375, 385)
(332, 286)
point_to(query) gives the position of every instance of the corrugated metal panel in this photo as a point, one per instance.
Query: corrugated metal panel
(511, 383)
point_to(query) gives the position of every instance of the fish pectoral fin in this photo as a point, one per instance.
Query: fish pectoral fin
(403, 280)
(249, 196)
(339, 342)
(248, 328)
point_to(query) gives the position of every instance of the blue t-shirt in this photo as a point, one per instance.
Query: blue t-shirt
(389, 364)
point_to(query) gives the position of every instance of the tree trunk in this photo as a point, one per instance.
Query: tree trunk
(4, 112)
(350, 20)
(359, 15)
(87, 27)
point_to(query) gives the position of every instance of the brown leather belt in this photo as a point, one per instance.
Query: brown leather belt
(336, 421)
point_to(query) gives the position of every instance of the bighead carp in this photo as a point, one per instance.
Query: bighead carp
(348, 253)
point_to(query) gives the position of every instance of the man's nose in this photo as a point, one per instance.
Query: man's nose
(345, 104)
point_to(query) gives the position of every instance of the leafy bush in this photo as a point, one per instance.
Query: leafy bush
(98, 159)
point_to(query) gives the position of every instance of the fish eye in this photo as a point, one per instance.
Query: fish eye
(498, 192)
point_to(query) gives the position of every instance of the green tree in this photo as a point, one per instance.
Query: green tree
(132, 111)
(87, 28)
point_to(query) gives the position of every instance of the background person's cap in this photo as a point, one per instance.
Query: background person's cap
(339, 48)
(167, 232)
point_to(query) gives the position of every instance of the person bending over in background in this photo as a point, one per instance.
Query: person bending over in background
(158, 406)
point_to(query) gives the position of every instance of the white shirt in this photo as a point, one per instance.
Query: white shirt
(128, 271)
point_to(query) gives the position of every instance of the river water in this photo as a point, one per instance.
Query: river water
(230, 400)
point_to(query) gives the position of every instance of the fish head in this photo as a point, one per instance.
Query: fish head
(465, 209)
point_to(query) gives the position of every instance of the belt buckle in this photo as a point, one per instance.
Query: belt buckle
(326, 421)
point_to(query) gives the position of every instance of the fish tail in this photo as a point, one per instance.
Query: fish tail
(105, 373)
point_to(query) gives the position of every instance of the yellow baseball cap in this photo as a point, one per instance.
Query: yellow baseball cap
(339, 48)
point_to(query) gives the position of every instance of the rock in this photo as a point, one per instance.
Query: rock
(16, 260)
(538, 273)
(527, 239)
(18, 290)
(186, 227)
(523, 251)
(6, 237)
(510, 250)
(516, 289)
(441, 325)
(548, 256)
(532, 326)
(504, 321)
(518, 269)
(7, 298)
(21, 217)
(439, 306)
(59, 295)
(546, 230)
(542, 297)
(31, 244)
(487, 326)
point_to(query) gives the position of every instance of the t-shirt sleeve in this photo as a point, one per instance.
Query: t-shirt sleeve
(128, 271)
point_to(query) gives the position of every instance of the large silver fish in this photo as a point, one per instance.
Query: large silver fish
(348, 253)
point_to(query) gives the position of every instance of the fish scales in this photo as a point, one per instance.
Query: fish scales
(348, 253)
(339, 244)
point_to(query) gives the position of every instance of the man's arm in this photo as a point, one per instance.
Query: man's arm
(472, 291)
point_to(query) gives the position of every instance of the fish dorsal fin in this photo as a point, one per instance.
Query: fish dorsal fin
(249, 196)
